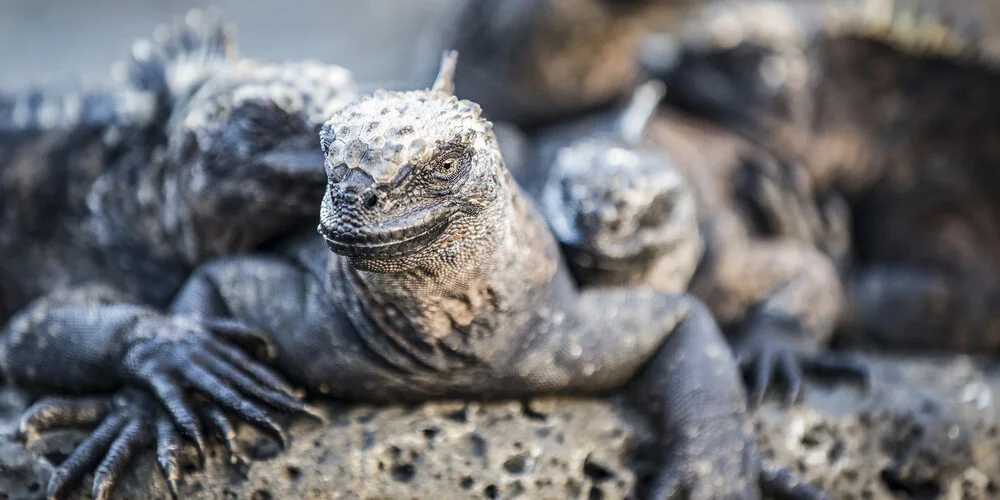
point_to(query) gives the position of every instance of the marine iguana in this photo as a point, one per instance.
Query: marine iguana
(637, 197)
(533, 63)
(893, 105)
(189, 154)
(435, 277)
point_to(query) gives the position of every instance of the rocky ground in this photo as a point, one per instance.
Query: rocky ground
(927, 429)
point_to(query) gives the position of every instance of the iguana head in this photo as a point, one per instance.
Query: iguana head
(243, 148)
(744, 65)
(750, 88)
(616, 208)
(412, 177)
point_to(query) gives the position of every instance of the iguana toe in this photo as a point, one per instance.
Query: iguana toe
(180, 411)
(223, 430)
(133, 435)
(109, 448)
(168, 452)
(776, 359)
(218, 391)
(53, 413)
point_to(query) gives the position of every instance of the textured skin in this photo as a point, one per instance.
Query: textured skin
(901, 119)
(444, 281)
(534, 62)
(193, 153)
(674, 213)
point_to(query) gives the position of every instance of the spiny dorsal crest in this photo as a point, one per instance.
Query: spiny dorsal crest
(966, 30)
(180, 54)
(634, 119)
(388, 130)
(445, 81)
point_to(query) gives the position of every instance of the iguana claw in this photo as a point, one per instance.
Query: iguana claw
(766, 357)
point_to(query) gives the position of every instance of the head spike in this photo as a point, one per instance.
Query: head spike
(636, 116)
(445, 81)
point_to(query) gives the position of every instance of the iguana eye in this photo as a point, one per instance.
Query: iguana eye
(448, 166)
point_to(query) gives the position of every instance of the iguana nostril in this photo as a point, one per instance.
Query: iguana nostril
(371, 200)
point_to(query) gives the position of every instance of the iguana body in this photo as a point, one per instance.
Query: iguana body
(192, 154)
(537, 62)
(893, 105)
(443, 281)
(674, 214)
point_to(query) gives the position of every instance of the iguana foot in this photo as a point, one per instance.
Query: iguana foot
(125, 423)
(764, 357)
(170, 353)
(713, 459)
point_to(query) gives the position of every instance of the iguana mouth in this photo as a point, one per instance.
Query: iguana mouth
(388, 242)
(639, 257)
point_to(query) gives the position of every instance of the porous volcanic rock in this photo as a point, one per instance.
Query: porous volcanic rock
(926, 429)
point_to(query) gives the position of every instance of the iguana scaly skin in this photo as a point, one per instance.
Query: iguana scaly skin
(642, 197)
(536, 62)
(192, 153)
(895, 106)
(443, 281)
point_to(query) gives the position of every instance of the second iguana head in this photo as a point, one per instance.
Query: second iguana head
(622, 211)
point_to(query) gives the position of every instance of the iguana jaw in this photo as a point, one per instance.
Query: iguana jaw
(638, 257)
(391, 241)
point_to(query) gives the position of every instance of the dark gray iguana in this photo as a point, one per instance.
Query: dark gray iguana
(672, 214)
(435, 277)
(190, 154)
(895, 106)
(536, 62)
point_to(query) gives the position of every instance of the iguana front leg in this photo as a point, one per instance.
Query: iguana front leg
(679, 370)
(786, 298)
(88, 340)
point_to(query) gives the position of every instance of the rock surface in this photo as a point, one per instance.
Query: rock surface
(927, 429)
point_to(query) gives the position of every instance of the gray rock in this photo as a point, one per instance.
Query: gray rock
(927, 429)
(551, 448)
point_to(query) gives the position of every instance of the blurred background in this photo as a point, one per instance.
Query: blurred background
(44, 41)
